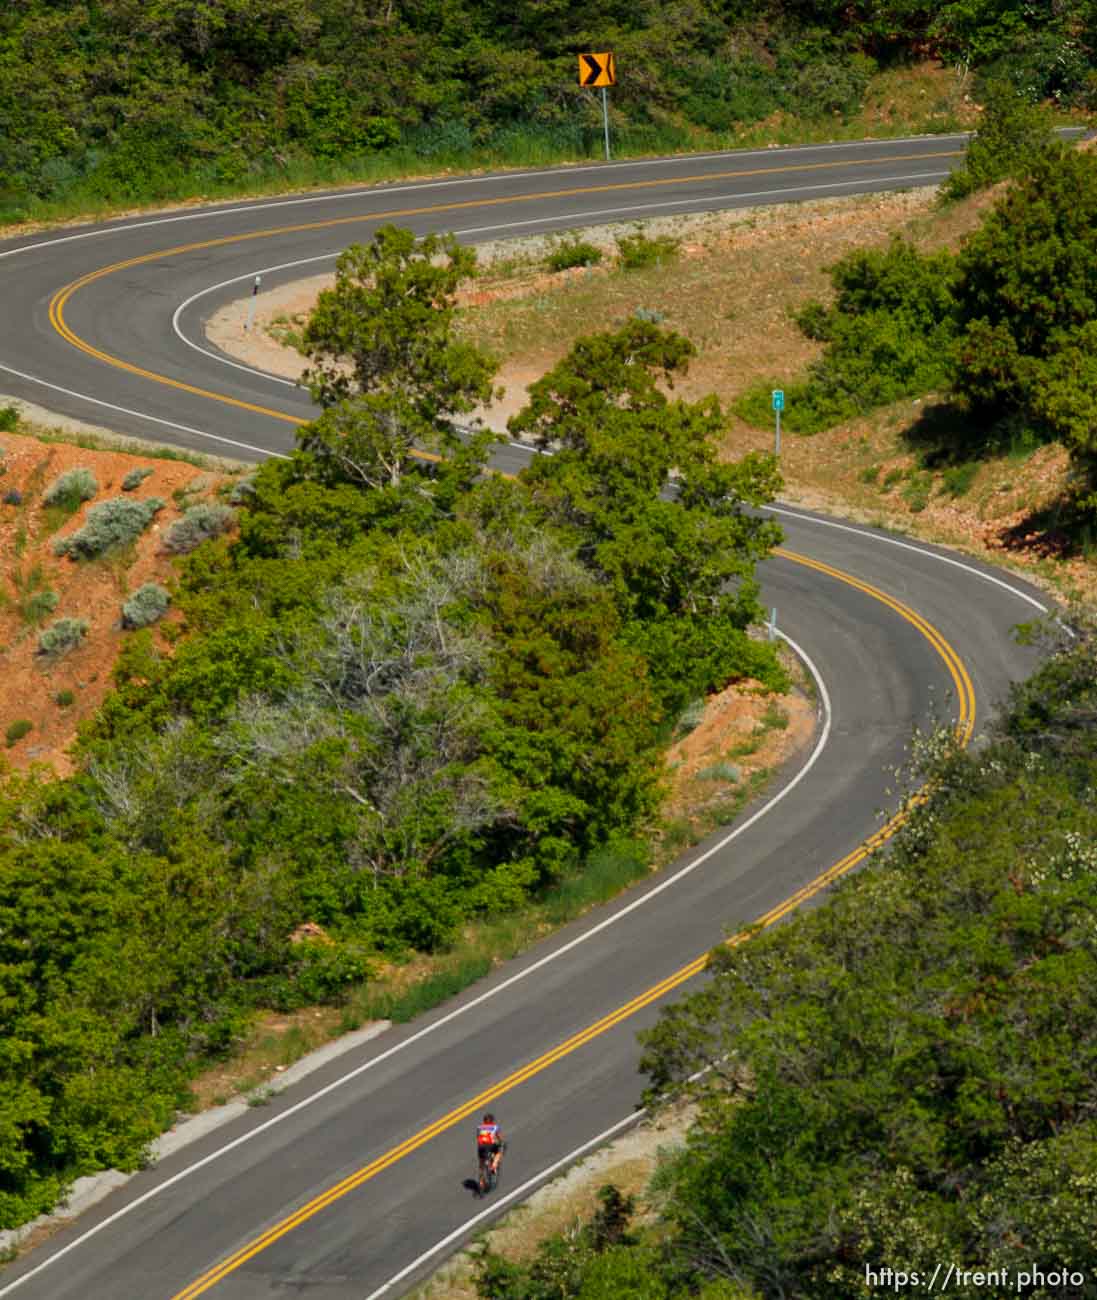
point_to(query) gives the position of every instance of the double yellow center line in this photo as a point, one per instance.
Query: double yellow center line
(965, 694)
(964, 689)
(64, 296)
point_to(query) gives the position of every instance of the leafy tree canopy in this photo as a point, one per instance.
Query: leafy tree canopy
(635, 479)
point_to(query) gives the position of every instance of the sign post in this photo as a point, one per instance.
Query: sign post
(778, 407)
(599, 70)
(605, 120)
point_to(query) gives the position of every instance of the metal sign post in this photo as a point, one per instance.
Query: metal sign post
(605, 120)
(778, 407)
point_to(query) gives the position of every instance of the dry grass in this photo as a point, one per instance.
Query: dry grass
(275, 1042)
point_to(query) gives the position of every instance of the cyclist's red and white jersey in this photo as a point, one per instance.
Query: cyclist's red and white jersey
(487, 1135)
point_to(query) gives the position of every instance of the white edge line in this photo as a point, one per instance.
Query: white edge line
(519, 1192)
(124, 410)
(328, 196)
(305, 1102)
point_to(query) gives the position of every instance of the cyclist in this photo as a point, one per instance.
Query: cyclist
(489, 1143)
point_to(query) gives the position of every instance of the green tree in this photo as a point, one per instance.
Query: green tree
(393, 379)
(384, 353)
(680, 562)
(1026, 299)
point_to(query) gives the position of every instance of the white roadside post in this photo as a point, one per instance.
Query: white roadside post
(251, 303)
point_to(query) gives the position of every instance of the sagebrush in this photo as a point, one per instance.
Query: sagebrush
(62, 635)
(71, 489)
(108, 526)
(147, 604)
(201, 523)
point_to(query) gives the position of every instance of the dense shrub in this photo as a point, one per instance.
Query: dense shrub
(147, 604)
(62, 635)
(13, 497)
(71, 489)
(9, 419)
(17, 730)
(200, 524)
(639, 251)
(573, 252)
(135, 478)
(146, 101)
(888, 335)
(109, 525)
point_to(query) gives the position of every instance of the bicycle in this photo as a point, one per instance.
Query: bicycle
(488, 1172)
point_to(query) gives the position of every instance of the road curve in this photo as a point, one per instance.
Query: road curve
(346, 1180)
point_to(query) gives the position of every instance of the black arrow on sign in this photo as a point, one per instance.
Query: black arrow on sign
(591, 71)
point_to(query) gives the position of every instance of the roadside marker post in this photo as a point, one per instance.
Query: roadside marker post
(778, 407)
(599, 70)
(251, 304)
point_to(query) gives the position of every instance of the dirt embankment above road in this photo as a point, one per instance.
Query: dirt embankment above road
(54, 695)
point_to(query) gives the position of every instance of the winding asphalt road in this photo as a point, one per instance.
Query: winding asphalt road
(339, 1187)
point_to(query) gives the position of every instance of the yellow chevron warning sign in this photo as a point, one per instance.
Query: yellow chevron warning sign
(597, 70)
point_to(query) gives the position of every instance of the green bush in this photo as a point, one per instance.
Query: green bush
(9, 419)
(323, 972)
(17, 730)
(63, 635)
(889, 335)
(109, 525)
(573, 252)
(805, 79)
(916, 493)
(71, 489)
(13, 497)
(956, 480)
(135, 478)
(200, 524)
(638, 252)
(147, 605)
(64, 699)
